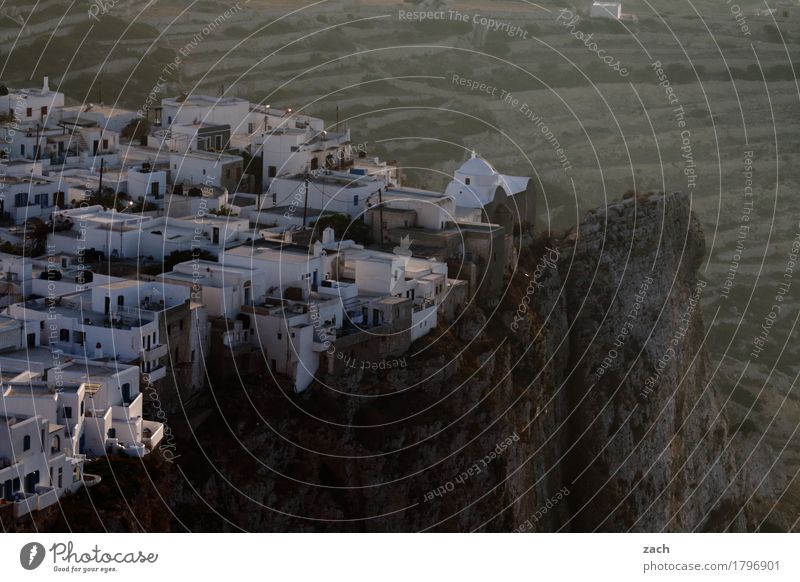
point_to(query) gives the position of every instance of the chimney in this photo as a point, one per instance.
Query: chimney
(46, 85)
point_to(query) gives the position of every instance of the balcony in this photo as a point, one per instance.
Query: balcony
(152, 433)
(129, 411)
(24, 503)
(154, 354)
(154, 375)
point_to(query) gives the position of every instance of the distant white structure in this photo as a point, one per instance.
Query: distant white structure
(31, 105)
(502, 199)
(609, 10)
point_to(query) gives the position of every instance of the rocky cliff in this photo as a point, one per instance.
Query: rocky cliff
(579, 403)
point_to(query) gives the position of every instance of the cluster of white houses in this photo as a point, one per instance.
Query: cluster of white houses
(248, 271)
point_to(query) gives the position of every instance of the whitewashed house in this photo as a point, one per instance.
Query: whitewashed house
(608, 10)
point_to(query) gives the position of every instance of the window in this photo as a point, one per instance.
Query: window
(105, 144)
(204, 171)
(218, 142)
(121, 301)
(21, 199)
(29, 112)
(78, 337)
(61, 477)
(355, 199)
(26, 442)
(67, 412)
(63, 335)
(44, 110)
(280, 335)
(22, 149)
(466, 181)
(272, 172)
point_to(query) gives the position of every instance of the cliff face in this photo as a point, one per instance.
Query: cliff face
(580, 402)
(655, 454)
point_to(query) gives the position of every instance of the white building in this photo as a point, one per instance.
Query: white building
(32, 105)
(223, 289)
(193, 109)
(110, 118)
(30, 196)
(207, 169)
(146, 183)
(127, 235)
(297, 147)
(277, 268)
(609, 10)
(98, 323)
(34, 468)
(16, 274)
(335, 192)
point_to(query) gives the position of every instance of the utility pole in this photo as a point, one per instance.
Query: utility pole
(100, 186)
(380, 207)
(305, 202)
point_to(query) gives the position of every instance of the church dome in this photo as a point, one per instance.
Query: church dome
(476, 166)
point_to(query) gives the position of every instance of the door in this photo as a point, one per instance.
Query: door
(31, 340)
(215, 236)
(108, 305)
(126, 392)
(31, 480)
